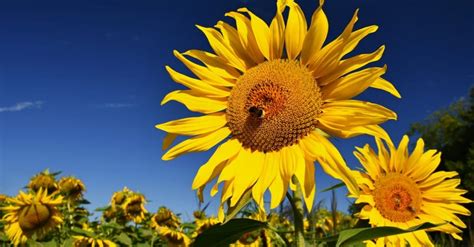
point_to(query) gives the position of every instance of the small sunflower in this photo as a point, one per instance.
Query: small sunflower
(31, 214)
(118, 198)
(164, 217)
(3, 198)
(203, 224)
(72, 188)
(44, 180)
(174, 237)
(403, 190)
(134, 207)
(273, 109)
(83, 241)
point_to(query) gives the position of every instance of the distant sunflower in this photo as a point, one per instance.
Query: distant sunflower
(82, 241)
(164, 217)
(31, 214)
(134, 207)
(174, 237)
(72, 188)
(119, 197)
(276, 108)
(43, 180)
(403, 191)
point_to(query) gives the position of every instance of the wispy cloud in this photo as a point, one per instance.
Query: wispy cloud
(117, 105)
(22, 106)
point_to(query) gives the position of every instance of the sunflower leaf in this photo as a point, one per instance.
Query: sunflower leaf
(358, 235)
(124, 239)
(225, 234)
(233, 211)
(336, 186)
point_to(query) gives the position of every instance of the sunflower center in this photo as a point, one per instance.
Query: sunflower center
(397, 197)
(273, 105)
(34, 216)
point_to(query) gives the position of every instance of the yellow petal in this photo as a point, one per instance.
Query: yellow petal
(196, 102)
(261, 31)
(248, 170)
(204, 73)
(214, 63)
(270, 170)
(353, 84)
(400, 156)
(356, 37)
(296, 29)
(386, 86)
(223, 153)
(331, 160)
(348, 113)
(351, 64)
(197, 144)
(232, 38)
(247, 36)
(221, 48)
(195, 125)
(278, 190)
(436, 178)
(315, 37)
(198, 85)
(168, 140)
(277, 34)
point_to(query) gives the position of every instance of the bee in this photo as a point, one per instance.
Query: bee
(257, 112)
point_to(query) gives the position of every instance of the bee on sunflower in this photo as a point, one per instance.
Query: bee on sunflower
(274, 109)
(31, 215)
(403, 190)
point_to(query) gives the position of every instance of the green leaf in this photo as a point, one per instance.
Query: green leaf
(336, 186)
(124, 239)
(233, 211)
(82, 232)
(357, 235)
(225, 234)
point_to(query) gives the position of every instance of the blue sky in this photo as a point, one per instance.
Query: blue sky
(81, 84)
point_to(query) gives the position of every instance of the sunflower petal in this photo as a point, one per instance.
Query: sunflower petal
(277, 34)
(353, 84)
(203, 73)
(270, 169)
(195, 101)
(296, 29)
(315, 37)
(168, 140)
(195, 125)
(197, 85)
(261, 32)
(246, 173)
(214, 63)
(197, 144)
(247, 36)
(221, 48)
(386, 86)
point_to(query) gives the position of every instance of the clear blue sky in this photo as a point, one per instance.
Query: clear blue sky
(81, 83)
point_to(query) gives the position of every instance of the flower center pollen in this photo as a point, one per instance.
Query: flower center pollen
(397, 197)
(273, 105)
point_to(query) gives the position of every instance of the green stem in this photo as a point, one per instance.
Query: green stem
(296, 202)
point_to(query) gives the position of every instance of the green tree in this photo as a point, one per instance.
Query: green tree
(451, 131)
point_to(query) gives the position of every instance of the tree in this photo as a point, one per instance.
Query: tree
(451, 131)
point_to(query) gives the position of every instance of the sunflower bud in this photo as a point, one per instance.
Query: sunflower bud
(34, 216)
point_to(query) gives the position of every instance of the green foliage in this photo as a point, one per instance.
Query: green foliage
(230, 232)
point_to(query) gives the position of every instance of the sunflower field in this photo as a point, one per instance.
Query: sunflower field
(270, 97)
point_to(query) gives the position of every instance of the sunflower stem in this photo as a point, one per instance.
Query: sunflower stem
(296, 202)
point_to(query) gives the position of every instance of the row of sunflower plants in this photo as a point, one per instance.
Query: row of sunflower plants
(52, 212)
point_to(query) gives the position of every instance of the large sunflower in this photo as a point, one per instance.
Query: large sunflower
(31, 214)
(274, 108)
(402, 190)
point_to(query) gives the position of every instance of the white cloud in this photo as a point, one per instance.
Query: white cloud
(22, 106)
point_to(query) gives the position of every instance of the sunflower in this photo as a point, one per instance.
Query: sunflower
(402, 190)
(82, 241)
(44, 180)
(118, 198)
(174, 237)
(165, 217)
(31, 214)
(274, 109)
(72, 188)
(134, 207)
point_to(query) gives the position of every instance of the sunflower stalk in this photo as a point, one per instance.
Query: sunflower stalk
(296, 202)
